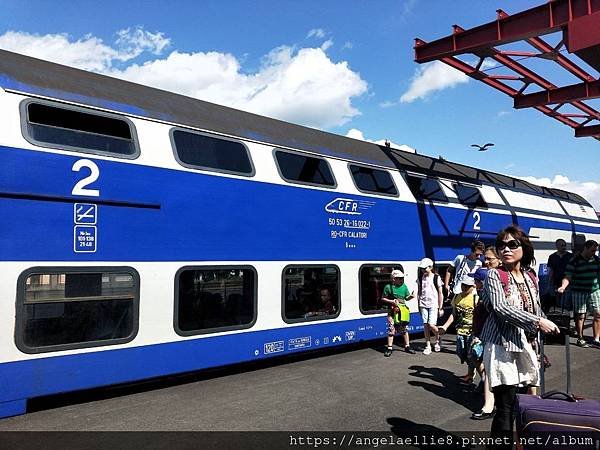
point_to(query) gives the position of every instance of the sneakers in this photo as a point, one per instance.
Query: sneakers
(581, 343)
(427, 350)
(388, 351)
(436, 347)
(596, 343)
(407, 349)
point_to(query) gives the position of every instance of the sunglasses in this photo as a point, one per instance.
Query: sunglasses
(512, 245)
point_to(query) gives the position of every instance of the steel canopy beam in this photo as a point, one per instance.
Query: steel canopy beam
(564, 94)
(579, 22)
(591, 131)
(533, 22)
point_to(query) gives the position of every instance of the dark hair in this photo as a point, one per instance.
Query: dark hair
(528, 259)
(590, 243)
(560, 240)
(491, 248)
(477, 245)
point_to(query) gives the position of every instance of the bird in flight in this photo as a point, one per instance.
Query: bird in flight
(482, 148)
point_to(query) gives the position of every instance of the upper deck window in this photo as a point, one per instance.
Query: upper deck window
(470, 196)
(201, 151)
(304, 169)
(426, 189)
(78, 129)
(372, 180)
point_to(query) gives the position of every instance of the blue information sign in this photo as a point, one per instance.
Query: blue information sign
(85, 214)
(85, 239)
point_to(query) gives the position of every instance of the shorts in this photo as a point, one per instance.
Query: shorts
(584, 302)
(395, 328)
(463, 346)
(429, 315)
(467, 351)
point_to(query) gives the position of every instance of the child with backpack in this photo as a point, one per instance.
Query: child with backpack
(395, 296)
(431, 300)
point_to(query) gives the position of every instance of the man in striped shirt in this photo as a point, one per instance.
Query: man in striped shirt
(583, 275)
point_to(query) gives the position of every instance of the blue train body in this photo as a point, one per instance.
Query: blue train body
(157, 217)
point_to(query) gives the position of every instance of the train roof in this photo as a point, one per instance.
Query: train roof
(23, 74)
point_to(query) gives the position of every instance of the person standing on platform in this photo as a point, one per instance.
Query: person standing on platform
(583, 276)
(463, 265)
(491, 260)
(514, 320)
(431, 302)
(557, 263)
(395, 296)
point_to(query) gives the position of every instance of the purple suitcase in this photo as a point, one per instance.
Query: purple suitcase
(557, 415)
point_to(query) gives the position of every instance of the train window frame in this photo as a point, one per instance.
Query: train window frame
(370, 312)
(419, 198)
(366, 191)
(306, 155)
(214, 330)
(27, 135)
(458, 186)
(54, 270)
(313, 318)
(172, 131)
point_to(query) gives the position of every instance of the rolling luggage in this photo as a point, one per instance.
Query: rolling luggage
(557, 419)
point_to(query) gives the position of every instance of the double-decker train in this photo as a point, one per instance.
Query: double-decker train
(144, 233)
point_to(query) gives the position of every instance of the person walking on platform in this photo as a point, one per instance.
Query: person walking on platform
(515, 318)
(431, 302)
(557, 264)
(395, 295)
(487, 410)
(582, 274)
(491, 260)
(463, 265)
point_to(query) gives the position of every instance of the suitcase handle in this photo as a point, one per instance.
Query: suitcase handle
(554, 394)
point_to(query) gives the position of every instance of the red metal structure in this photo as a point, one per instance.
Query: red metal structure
(579, 22)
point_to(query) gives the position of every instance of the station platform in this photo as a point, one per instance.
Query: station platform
(356, 388)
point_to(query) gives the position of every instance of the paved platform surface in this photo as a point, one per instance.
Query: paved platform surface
(356, 389)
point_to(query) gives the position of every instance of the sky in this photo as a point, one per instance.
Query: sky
(346, 67)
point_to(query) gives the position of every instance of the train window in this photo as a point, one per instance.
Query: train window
(426, 189)
(212, 299)
(373, 279)
(304, 169)
(64, 308)
(201, 151)
(372, 180)
(310, 293)
(470, 196)
(78, 129)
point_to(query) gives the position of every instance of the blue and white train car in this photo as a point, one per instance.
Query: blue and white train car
(144, 233)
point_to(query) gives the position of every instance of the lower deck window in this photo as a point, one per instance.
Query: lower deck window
(215, 299)
(373, 280)
(60, 309)
(310, 293)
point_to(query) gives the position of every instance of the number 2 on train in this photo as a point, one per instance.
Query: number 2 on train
(477, 218)
(80, 187)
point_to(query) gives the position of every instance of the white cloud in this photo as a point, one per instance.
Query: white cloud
(432, 77)
(590, 190)
(326, 45)
(298, 85)
(503, 113)
(357, 134)
(347, 45)
(89, 52)
(318, 33)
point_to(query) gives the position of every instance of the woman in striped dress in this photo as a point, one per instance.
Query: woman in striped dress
(513, 323)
